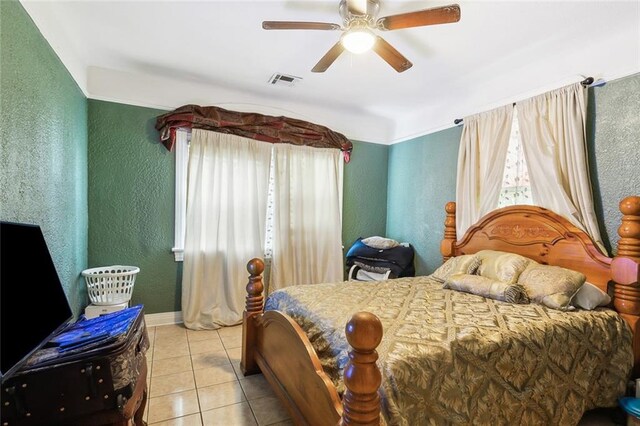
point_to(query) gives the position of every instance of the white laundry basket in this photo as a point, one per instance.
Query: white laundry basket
(110, 285)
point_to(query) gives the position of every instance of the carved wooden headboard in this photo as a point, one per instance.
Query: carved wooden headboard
(549, 238)
(538, 234)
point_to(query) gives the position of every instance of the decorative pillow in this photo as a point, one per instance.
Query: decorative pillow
(465, 264)
(551, 286)
(590, 297)
(380, 242)
(486, 287)
(501, 266)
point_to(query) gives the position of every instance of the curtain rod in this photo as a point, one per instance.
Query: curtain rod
(586, 83)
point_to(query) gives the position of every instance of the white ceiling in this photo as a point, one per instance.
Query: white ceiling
(169, 53)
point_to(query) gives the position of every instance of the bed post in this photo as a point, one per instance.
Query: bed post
(624, 267)
(449, 240)
(362, 378)
(254, 307)
(625, 271)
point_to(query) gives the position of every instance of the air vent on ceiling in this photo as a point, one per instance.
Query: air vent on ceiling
(284, 80)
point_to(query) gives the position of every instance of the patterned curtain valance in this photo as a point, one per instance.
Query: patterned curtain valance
(250, 125)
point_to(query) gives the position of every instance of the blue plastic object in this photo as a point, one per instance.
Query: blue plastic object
(630, 405)
(104, 328)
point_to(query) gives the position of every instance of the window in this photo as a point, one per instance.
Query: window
(516, 188)
(182, 161)
(183, 138)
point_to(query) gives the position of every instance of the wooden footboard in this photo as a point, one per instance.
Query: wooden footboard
(275, 345)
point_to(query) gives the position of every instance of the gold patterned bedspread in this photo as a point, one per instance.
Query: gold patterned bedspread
(455, 358)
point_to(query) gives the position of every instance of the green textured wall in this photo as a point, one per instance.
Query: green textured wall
(422, 172)
(365, 193)
(131, 201)
(43, 146)
(422, 179)
(613, 140)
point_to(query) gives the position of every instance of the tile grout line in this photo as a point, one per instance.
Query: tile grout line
(195, 384)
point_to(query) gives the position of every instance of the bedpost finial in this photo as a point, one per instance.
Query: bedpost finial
(629, 230)
(255, 266)
(254, 301)
(630, 226)
(364, 331)
(630, 205)
(450, 207)
(362, 377)
(449, 240)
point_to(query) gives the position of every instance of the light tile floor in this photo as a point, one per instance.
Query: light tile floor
(195, 379)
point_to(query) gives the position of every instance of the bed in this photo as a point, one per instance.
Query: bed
(481, 361)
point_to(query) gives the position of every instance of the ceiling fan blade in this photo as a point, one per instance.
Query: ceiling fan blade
(391, 55)
(293, 25)
(329, 57)
(420, 18)
(357, 7)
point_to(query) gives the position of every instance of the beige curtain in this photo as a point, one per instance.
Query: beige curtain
(481, 159)
(552, 130)
(307, 216)
(225, 225)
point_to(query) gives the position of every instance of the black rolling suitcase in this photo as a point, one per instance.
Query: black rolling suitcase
(92, 373)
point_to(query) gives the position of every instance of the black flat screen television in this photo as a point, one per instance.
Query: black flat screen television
(33, 305)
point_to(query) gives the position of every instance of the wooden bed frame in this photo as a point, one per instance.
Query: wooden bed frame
(275, 345)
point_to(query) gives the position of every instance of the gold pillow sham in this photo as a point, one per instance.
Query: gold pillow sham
(465, 264)
(552, 286)
(501, 266)
(486, 287)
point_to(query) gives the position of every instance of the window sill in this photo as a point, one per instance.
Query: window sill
(178, 254)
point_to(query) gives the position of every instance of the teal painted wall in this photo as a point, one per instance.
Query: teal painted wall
(422, 179)
(422, 172)
(613, 141)
(43, 147)
(365, 193)
(131, 201)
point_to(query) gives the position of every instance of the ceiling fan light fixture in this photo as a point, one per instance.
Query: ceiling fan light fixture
(359, 20)
(358, 40)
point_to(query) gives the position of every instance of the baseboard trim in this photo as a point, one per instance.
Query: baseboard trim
(163, 318)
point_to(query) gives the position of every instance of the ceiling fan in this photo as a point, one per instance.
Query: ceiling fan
(359, 21)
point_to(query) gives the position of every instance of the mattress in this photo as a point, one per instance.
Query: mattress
(449, 357)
